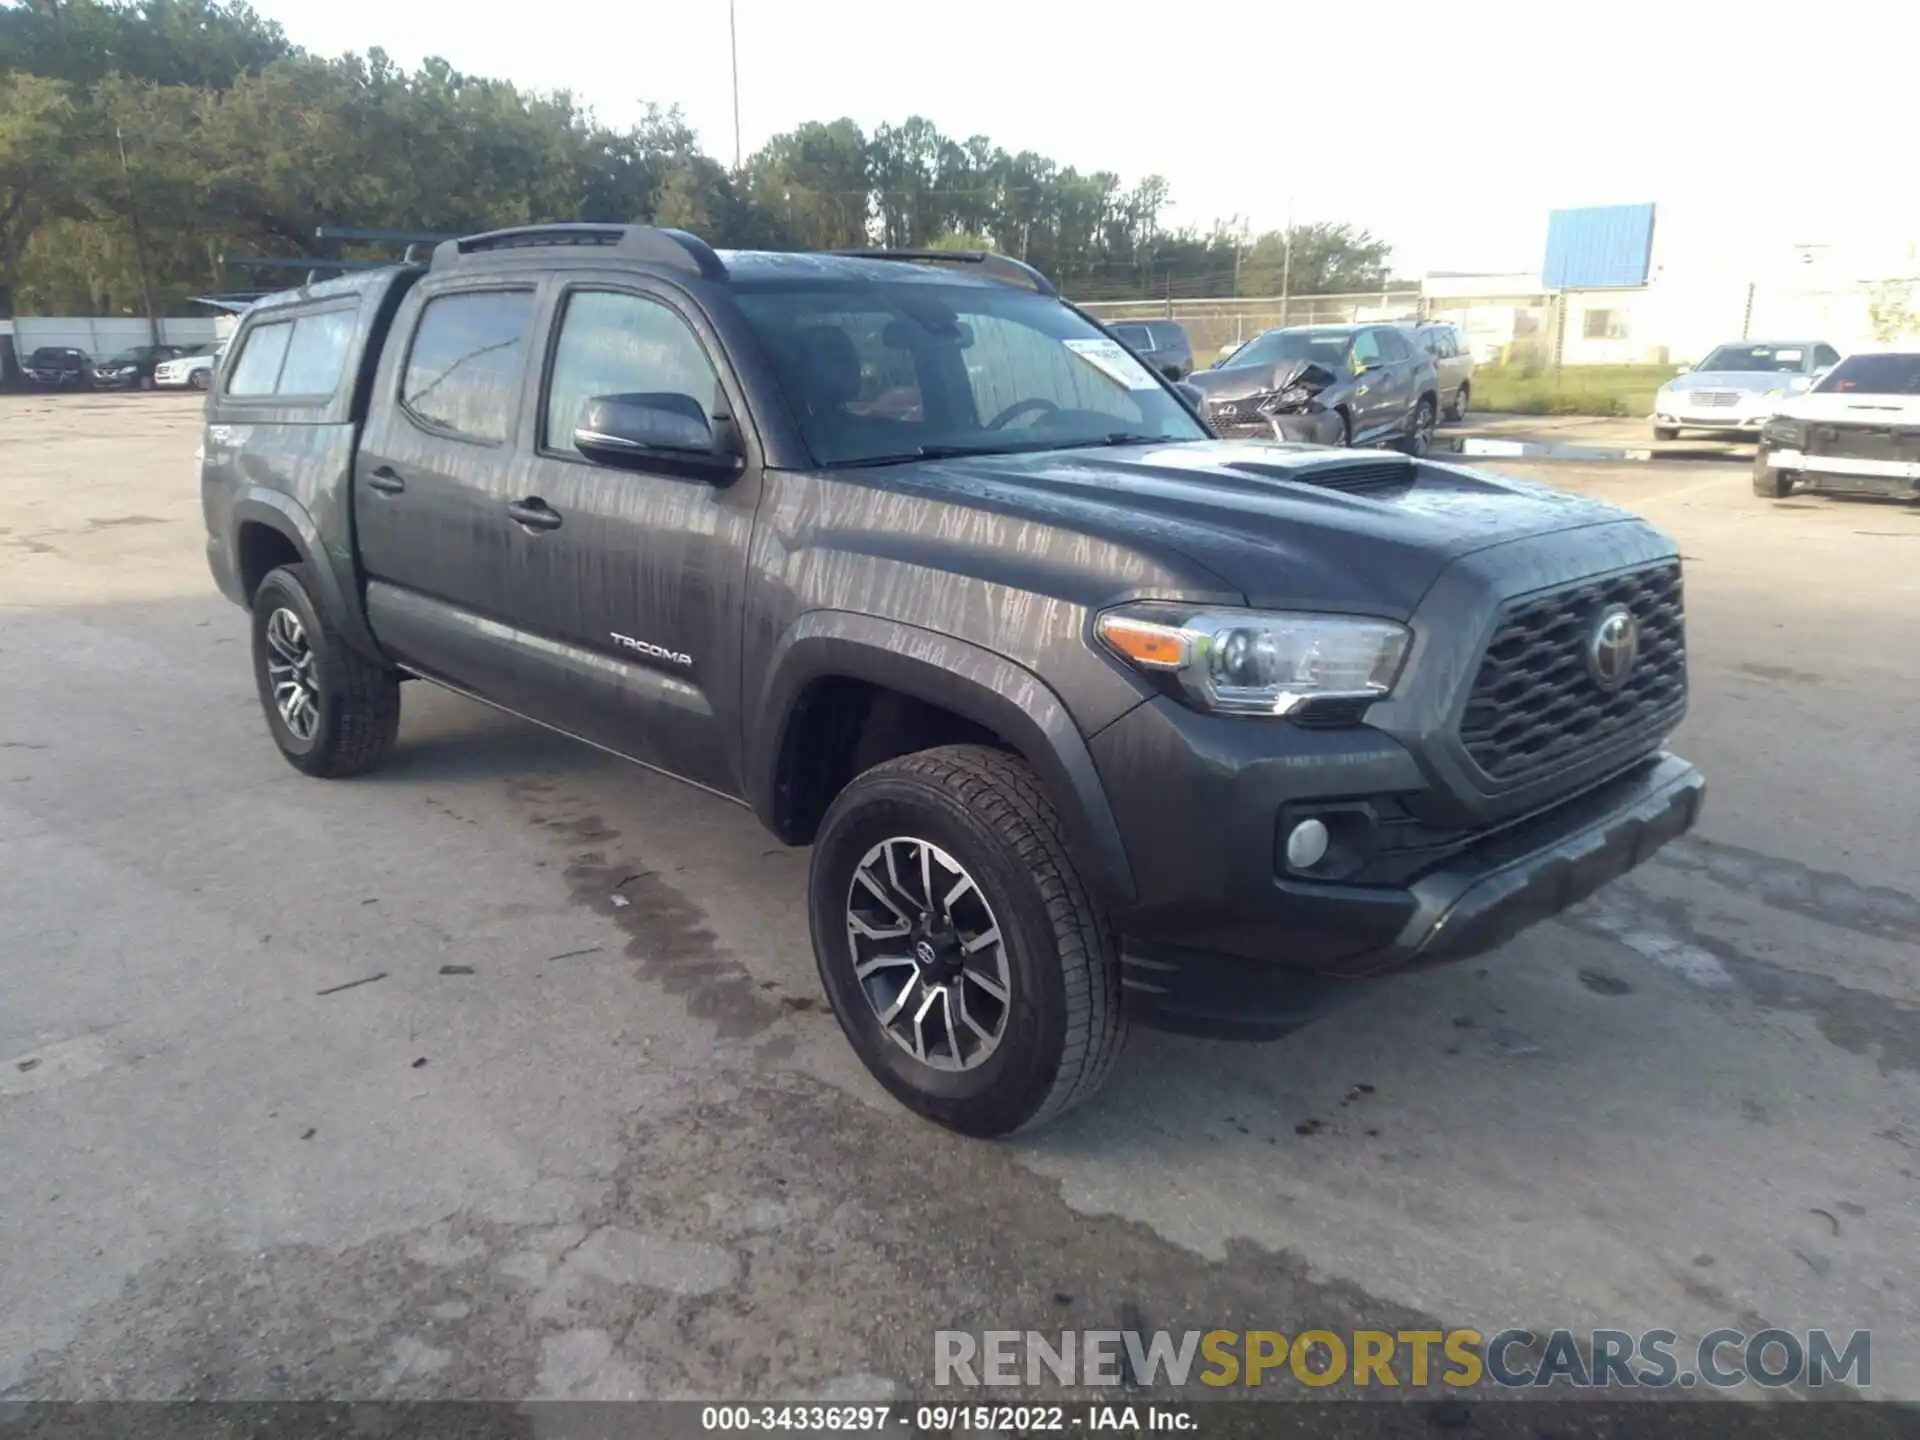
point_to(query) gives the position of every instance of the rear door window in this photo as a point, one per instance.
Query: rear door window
(464, 368)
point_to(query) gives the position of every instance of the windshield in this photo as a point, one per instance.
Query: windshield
(1873, 375)
(1323, 347)
(127, 357)
(1784, 360)
(878, 373)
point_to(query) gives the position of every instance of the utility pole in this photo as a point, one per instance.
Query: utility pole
(139, 243)
(733, 41)
(1286, 265)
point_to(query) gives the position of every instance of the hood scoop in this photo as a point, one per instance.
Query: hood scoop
(1352, 477)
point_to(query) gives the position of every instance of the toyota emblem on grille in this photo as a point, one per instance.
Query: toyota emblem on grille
(1613, 647)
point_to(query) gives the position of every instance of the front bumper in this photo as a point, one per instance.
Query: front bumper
(1716, 422)
(1885, 473)
(1225, 942)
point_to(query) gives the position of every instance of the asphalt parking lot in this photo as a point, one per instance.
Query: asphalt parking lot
(505, 1072)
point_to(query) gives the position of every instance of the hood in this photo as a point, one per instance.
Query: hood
(1268, 519)
(1753, 382)
(1850, 407)
(1237, 382)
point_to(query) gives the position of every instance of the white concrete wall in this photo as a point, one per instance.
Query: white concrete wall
(101, 337)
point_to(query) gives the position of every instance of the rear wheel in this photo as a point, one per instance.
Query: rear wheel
(332, 711)
(964, 959)
(1457, 411)
(199, 380)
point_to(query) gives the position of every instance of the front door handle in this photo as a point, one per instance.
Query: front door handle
(386, 480)
(534, 513)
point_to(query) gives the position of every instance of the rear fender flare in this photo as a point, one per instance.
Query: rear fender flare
(287, 516)
(977, 684)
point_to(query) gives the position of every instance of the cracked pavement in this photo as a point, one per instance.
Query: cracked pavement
(504, 1072)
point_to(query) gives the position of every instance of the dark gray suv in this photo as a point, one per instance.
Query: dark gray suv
(1163, 344)
(1345, 385)
(1088, 716)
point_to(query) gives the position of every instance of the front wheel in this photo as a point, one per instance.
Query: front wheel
(199, 380)
(1418, 438)
(1665, 432)
(1770, 483)
(332, 711)
(968, 966)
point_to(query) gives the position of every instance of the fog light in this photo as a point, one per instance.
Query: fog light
(1306, 844)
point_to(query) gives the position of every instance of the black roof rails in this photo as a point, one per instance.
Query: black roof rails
(656, 245)
(1003, 268)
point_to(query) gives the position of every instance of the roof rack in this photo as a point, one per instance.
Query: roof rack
(1003, 268)
(656, 245)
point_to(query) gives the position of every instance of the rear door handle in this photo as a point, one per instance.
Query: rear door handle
(386, 480)
(534, 513)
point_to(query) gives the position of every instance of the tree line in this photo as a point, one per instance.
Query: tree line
(143, 140)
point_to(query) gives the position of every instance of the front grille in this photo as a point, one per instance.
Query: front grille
(1865, 442)
(1536, 706)
(1715, 399)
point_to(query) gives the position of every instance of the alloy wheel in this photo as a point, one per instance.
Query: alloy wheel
(292, 674)
(1420, 437)
(928, 954)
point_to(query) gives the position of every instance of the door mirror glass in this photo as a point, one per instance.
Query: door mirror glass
(1681, 369)
(1192, 394)
(658, 431)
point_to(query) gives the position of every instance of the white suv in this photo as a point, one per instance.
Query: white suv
(193, 372)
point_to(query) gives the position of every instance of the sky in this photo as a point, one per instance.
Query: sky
(1447, 128)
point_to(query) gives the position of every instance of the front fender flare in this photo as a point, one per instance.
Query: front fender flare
(977, 684)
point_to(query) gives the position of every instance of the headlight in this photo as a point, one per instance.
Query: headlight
(1777, 393)
(1783, 432)
(1252, 662)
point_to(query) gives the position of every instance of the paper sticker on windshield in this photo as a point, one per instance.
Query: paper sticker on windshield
(1113, 360)
(1786, 354)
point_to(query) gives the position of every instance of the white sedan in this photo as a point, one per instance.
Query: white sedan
(1735, 389)
(1857, 430)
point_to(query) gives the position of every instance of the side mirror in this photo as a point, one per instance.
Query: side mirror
(1681, 369)
(1192, 394)
(660, 431)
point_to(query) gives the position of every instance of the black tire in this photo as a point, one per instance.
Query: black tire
(1457, 411)
(1064, 1023)
(199, 380)
(1417, 439)
(1768, 482)
(1666, 432)
(355, 700)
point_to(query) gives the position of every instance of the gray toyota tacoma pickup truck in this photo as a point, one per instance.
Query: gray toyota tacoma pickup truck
(1088, 716)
